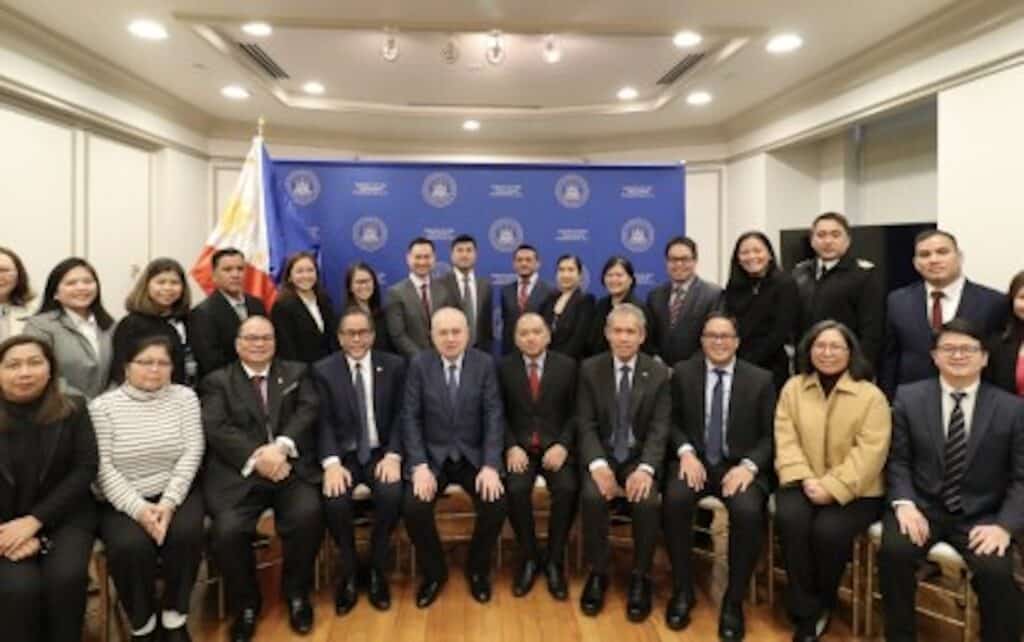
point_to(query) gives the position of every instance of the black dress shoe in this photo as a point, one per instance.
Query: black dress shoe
(821, 624)
(244, 626)
(179, 634)
(380, 592)
(730, 622)
(480, 587)
(524, 580)
(638, 600)
(152, 636)
(557, 585)
(345, 595)
(805, 631)
(300, 615)
(677, 612)
(428, 592)
(592, 598)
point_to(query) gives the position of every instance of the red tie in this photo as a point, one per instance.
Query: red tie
(261, 391)
(535, 393)
(524, 294)
(937, 310)
(425, 300)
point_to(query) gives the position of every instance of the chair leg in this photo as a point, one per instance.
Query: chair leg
(968, 597)
(857, 597)
(771, 562)
(103, 580)
(869, 589)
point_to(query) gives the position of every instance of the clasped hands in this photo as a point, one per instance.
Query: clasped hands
(18, 539)
(271, 462)
(155, 519)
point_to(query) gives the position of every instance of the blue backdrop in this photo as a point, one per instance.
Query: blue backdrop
(370, 211)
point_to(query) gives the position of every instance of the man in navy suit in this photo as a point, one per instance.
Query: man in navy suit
(525, 294)
(453, 431)
(915, 312)
(955, 474)
(360, 443)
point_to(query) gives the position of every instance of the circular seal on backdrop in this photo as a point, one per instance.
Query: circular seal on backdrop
(302, 186)
(506, 234)
(637, 235)
(369, 233)
(439, 189)
(572, 191)
(440, 269)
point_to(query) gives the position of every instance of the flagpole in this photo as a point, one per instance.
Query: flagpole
(260, 122)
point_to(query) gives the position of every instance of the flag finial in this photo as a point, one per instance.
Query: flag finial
(260, 122)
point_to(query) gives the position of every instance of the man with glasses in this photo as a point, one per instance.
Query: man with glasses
(360, 443)
(955, 474)
(258, 417)
(722, 435)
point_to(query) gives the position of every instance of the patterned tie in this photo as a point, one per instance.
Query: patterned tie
(453, 384)
(524, 293)
(676, 306)
(716, 420)
(937, 297)
(956, 456)
(534, 380)
(425, 301)
(623, 399)
(261, 390)
(469, 307)
(363, 444)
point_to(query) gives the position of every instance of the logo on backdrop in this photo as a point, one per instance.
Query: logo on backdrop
(369, 233)
(303, 186)
(637, 235)
(637, 191)
(572, 191)
(506, 191)
(370, 188)
(572, 235)
(506, 234)
(439, 189)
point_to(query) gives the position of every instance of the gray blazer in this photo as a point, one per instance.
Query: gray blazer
(80, 367)
(407, 324)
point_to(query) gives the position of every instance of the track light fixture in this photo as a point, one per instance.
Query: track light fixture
(495, 50)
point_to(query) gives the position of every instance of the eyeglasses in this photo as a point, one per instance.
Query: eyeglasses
(680, 259)
(257, 338)
(356, 334)
(947, 350)
(715, 336)
(823, 348)
(149, 364)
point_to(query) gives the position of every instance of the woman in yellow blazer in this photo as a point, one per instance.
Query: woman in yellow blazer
(832, 429)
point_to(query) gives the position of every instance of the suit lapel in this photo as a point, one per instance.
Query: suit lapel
(967, 302)
(699, 401)
(345, 374)
(920, 311)
(86, 346)
(691, 297)
(933, 418)
(48, 438)
(536, 296)
(641, 381)
(522, 379)
(245, 387)
(275, 386)
(378, 389)
(980, 422)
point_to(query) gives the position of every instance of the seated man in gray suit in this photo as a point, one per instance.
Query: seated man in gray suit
(412, 301)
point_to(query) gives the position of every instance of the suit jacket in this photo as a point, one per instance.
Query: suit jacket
(69, 461)
(432, 429)
(993, 482)
(298, 336)
(682, 341)
(596, 341)
(408, 325)
(510, 309)
(750, 418)
(214, 328)
(552, 415)
(339, 423)
(1003, 353)
(767, 318)
(137, 326)
(483, 333)
(570, 331)
(236, 424)
(650, 403)
(908, 333)
(84, 371)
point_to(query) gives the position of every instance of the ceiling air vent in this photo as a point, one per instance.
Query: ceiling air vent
(263, 60)
(681, 67)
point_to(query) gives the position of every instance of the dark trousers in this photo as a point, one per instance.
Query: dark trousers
(746, 529)
(42, 599)
(387, 507)
(563, 487)
(817, 544)
(999, 598)
(419, 521)
(596, 513)
(298, 520)
(136, 561)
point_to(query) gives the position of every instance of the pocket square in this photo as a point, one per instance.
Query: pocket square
(290, 388)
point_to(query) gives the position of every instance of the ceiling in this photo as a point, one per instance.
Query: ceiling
(605, 45)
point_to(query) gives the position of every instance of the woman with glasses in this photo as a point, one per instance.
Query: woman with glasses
(569, 309)
(832, 431)
(151, 518)
(619, 280)
(362, 290)
(1006, 350)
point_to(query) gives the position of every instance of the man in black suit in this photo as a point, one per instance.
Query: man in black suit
(453, 432)
(678, 308)
(539, 389)
(472, 293)
(258, 416)
(525, 294)
(955, 474)
(213, 324)
(360, 443)
(915, 312)
(623, 408)
(835, 285)
(412, 301)
(723, 413)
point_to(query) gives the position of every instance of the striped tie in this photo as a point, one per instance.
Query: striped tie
(956, 456)
(676, 305)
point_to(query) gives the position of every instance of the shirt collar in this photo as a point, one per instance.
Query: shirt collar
(729, 368)
(951, 291)
(619, 363)
(539, 360)
(461, 276)
(532, 281)
(947, 389)
(232, 300)
(828, 265)
(249, 372)
(685, 285)
(364, 363)
(78, 320)
(419, 282)
(458, 362)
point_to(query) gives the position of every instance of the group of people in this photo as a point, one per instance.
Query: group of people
(138, 429)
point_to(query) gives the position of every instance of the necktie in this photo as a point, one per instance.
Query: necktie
(716, 420)
(956, 456)
(363, 445)
(524, 294)
(621, 445)
(821, 270)
(425, 301)
(469, 307)
(534, 380)
(453, 384)
(937, 297)
(261, 390)
(676, 306)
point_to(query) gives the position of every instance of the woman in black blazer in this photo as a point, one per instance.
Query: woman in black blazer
(765, 302)
(158, 305)
(568, 310)
(303, 316)
(619, 280)
(362, 290)
(47, 515)
(1006, 350)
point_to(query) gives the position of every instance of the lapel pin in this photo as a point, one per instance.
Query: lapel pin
(379, 369)
(643, 374)
(280, 381)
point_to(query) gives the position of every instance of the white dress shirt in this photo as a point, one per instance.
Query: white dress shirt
(709, 395)
(238, 305)
(539, 360)
(530, 284)
(458, 368)
(464, 280)
(314, 311)
(950, 300)
(88, 328)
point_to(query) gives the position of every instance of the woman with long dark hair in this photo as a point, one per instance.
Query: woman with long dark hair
(1006, 350)
(362, 290)
(568, 310)
(303, 314)
(619, 281)
(15, 294)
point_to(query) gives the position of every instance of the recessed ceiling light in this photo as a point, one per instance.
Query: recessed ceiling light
(235, 92)
(257, 29)
(627, 93)
(148, 30)
(313, 87)
(698, 98)
(784, 43)
(471, 125)
(685, 39)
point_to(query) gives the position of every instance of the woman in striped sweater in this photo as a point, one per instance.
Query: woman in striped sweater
(151, 444)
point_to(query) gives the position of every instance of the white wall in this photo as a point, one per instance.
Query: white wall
(793, 188)
(897, 169)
